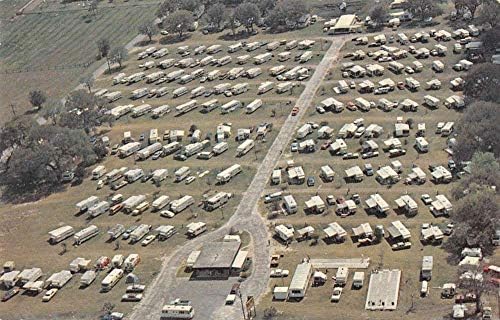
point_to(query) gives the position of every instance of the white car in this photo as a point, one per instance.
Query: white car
(279, 273)
(167, 214)
(337, 292)
(148, 240)
(49, 294)
(132, 297)
(426, 199)
(190, 179)
(230, 299)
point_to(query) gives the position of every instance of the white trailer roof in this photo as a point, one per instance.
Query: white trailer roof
(383, 291)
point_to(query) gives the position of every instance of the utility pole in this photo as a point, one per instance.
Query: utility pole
(242, 306)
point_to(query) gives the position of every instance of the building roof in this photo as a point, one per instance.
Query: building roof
(383, 290)
(217, 255)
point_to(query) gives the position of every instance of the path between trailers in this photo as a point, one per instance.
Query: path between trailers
(208, 296)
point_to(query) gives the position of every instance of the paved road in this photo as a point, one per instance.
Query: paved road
(208, 296)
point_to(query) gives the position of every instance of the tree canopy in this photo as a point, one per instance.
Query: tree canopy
(422, 9)
(482, 82)
(247, 14)
(37, 98)
(148, 29)
(179, 22)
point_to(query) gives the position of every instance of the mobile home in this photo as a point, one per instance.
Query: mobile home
(85, 234)
(195, 229)
(111, 280)
(245, 147)
(300, 281)
(178, 205)
(229, 173)
(254, 105)
(61, 234)
(186, 107)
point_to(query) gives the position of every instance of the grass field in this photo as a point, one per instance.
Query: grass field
(44, 50)
(317, 300)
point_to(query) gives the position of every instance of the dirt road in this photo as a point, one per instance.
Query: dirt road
(208, 296)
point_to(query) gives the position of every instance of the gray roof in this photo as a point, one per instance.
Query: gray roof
(217, 255)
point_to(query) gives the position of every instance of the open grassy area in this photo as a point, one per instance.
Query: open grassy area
(317, 300)
(52, 51)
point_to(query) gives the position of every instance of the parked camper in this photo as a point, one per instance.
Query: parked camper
(230, 106)
(196, 92)
(186, 107)
(284, 56)
(284, 87)
(116, 231)
(235, 47)
(229, 173)
(139, 233)
(131, 262)
(132, 202)
(167, 63)
(141, 110)
(291, 45)
(111, 280)
(254, 105)
(427, 265)
(61, 234)
(216, 201)
(300, 281)
(159, 175)
(182, 173)
(245, 147)
(87, 278)
(98, 209)
(243, 59)
(262, 58)
(160, 111)
(195, 229)
(265, 87)
(174, 75)
(253, 72)
(306, 56)
(178, 205)
(84, 205)
(223, 61)
(239, 88)
(118, 78)
(85, 234)
(219, 148)
(235, 73)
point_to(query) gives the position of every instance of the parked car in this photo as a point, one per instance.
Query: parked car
(295, 111)
(426, 199)
(9, 294)
(157, 155)
(127, 232)
(337, 292)
(294, 147)
(311, 182)
(279, 273)
(148, 240)
(132, 297)
(49, 294)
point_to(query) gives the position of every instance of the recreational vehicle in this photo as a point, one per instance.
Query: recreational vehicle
(245, 147)
(229, 173)
(85, 234)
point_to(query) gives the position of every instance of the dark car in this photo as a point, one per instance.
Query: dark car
(9, 294)
(311, 181)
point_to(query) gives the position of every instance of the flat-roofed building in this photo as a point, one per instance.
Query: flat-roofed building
(216, 260)
(383, 290)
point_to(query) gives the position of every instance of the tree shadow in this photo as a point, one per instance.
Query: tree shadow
(145, 43)
(14, 196)
(174, 38)
(240, 35)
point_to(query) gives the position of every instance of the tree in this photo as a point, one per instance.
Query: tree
(277, 18)
(88, 82)
(179, 22)
(491, 38)
(247, 14)
(489, 13)
(422, 9)
(476, 131)
(189, 5)
(463, 6)
(482, 82)
(286, 14)
(265, 6)
(215, 15)
(118, 55)
(90, 115)
(476, 219)
(37, 98)
(103, 47)
(148, 29)
(379, 14)
(167, 7)
(233, 24)
(472, 279)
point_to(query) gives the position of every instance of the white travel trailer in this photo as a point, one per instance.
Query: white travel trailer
(148, 151)
(171, 148)
(284, 233)
(292, 44)
(132, 202)
(300, 281)
(196, 92)
(265, 87)
(272, 46)
(290, 204)
(284, 56)
(220, 148)
(98, 209)
(128, 149)
(243, 59)
(167, 63)
(305, 130)
(178, 205)
(221, 88)
(253, 72)
(119, 111)
(223, 61)
(160, 111)
(98, 172)
(276, 176)
(139, 93)
(174, 75)
(186, 78)
(179, 92)
(245, 147)
(332, 104)
(284, 87)
(254, 105)
(131, 262)
(141, 110)
(85, 234)
(160, 202)
(235, 73)
(216, 201)
(182, 173)
(306, 56)
(111, 280)
(139, 233)
(195, 229)
(87, 278)
(235, 47)
(239, 88)
(263, 58)
(87, 203)
(61, 234)
(175, 311)
(186, 107)
(213, 75)
(118, 78)
(230, 106)
(214, 49)
(210, 105)
(159, 175)
(229, 173)
(277, 70)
